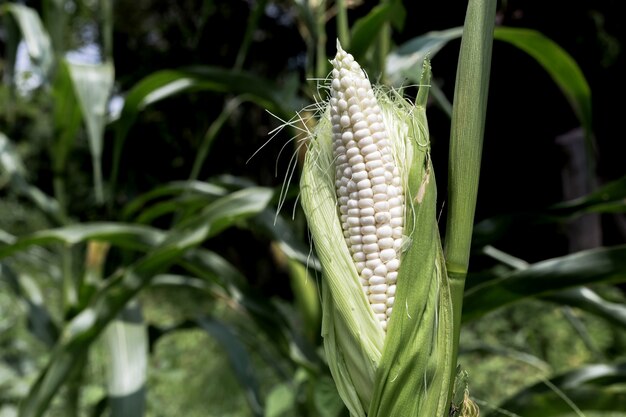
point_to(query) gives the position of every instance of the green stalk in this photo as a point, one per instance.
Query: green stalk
(251, 27)
(343, 32)
(74, 389)
(106, 8)
(320, 48)
(70, 295)
(212, 133)
(383, 45)
(466, 139)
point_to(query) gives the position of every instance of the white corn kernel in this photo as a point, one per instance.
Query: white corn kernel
(369, 189)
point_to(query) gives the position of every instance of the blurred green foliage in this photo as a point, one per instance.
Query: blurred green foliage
(205, 295)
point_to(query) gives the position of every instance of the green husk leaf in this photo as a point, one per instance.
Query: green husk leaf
(407, 371)
(353, 339)
(413, 376)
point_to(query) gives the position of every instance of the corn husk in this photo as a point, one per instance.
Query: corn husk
(407, 371)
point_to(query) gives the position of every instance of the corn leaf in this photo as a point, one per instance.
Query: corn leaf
(92, 85)
(590, 388)
(610, 198)
(67, 117)
(34, 34)
(406, 61)
(366, 30)
(610, 195)
(126, 343)
(208, 190)
(413, 377)
(25, 289)
(353, 339)
(326, 399)
(11, 42)
(280, 401)
(603, 265)
(85, 328)
(588, 300)
(128, 236)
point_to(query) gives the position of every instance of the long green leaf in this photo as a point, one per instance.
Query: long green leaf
(406, 61)
(210, 191)
(591, 388)
(610, 195)
(129, 236)
(589, 301)
(126, 341)
(604, 265)
(610, 198)
(67, 122)
(558, 63)
(34, 34)
(92, 85)
(85, 328)
(366, 30)
(40, 322)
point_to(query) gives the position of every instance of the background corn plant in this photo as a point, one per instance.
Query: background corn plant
(127, 195)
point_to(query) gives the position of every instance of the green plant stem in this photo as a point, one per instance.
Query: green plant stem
(383, 45)
(74, 388)
(466, 139)
(253, 23)
(106, 8)
(97, 180)
(58, 185)
(342, 24)
(70, 296)
(211, 134)
(320, 48)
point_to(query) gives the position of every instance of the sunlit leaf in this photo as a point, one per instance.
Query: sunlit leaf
(92, 86)
(67, 117)
(34, 34)
(280, 401)
(589, 301)
(129, 236)
(366, 30)
(603, 265)
(126, 342)
(208, 190)
(406, 61)
(590, 388)
(27, 291)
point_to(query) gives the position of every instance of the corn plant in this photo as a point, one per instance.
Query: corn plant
(391, 295)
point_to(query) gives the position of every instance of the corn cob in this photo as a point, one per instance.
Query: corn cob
(368, 183)
(366, 177)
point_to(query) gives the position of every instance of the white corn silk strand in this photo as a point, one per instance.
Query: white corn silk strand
(368, 183)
